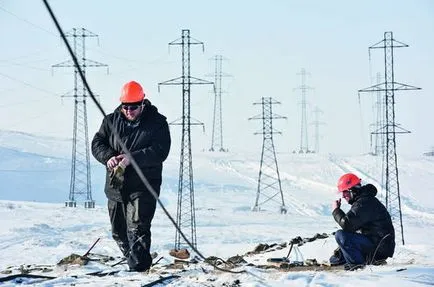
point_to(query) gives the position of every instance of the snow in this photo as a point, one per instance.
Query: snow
(36, 228)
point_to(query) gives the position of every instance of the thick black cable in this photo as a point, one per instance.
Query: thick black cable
(289, 252)
(370, 262)
(122, 144)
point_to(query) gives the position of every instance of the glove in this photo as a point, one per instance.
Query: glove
(117, 177)
(112, 162)
(123, 160)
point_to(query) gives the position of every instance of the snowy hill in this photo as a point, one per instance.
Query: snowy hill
(44, 232)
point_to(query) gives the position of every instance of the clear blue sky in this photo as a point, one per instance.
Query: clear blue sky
(266, 44)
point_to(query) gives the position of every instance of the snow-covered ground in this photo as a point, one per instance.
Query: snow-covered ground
(36, 228)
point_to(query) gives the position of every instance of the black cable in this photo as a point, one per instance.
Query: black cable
(122, 144)
(290, 249)
(376, 249)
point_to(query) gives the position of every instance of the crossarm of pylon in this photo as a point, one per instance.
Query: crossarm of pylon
(192, 41)
(274, 131)
(84, 33)
(401, 130)
(257, 117)
(176, 42)
(197, 81)
(70, 93)
(194, 121)
(276, 116)
(92, 63)
(178, 121)
(67, 63)
(175, 81)
(378, 45)
(195, 41)
(374, 88)
(379, 131)
(382, 87)
(382, 44)
(400, 87)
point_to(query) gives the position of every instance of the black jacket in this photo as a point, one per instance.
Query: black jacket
(148, 140)
(371, 218)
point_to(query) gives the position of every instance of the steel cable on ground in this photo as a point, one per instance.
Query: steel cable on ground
(123, 146)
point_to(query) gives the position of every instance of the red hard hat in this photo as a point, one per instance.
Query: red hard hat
(348, 181)
(132, 92)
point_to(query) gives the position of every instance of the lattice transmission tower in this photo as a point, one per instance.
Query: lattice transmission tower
(269, 185)
(377, 138)
(390, 129)
(304, 143)
(185, 216)
(317, 123)
(217, 123)
(80, 185)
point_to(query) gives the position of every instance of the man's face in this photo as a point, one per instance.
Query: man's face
(346, 195)
(131, 111)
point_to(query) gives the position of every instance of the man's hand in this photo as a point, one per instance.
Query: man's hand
(112, 162)
(117, 165)
(123, 160)
(336, 204)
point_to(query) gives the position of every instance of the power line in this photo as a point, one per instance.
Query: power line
(53, 34)
(28, 84)
(28, 22)
(25, 66)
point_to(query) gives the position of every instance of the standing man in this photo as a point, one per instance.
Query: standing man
(367, 233)
(131, 206)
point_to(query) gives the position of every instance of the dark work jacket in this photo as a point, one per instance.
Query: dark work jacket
(147, 139)
(371, 218)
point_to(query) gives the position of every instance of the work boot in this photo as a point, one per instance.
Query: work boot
(337, 258)
(353, 267)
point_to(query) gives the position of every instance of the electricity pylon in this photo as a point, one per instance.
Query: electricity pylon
(269, 185)
(185, 215)
(390, 129)
(217, 123)
(317, 111)
(304, 144)
(80, 166)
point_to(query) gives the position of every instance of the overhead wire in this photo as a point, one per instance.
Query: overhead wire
(28, 22)
(25, 66)
(29, 85)
(130, 61)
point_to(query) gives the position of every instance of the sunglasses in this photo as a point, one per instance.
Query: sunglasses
(130, 107)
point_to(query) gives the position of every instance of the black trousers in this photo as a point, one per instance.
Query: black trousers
(131, 229)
